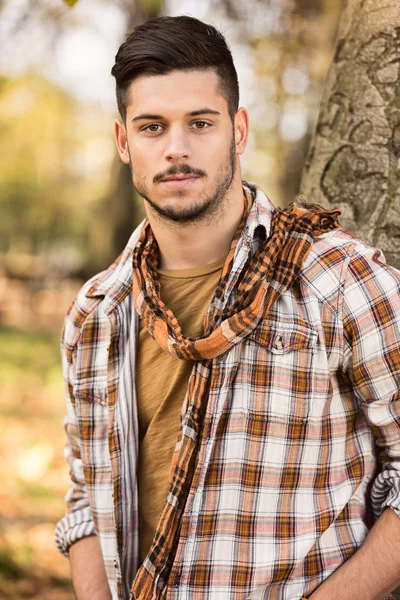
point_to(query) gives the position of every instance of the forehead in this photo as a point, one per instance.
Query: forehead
(177, 91)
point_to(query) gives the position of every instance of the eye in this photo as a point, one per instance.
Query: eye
(201, 124)
(152, 128)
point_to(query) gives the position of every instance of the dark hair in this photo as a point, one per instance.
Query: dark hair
(167, 44)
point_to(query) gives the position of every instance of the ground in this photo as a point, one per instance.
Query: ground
(33, 472)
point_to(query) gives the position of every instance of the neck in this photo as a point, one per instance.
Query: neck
(192, 245)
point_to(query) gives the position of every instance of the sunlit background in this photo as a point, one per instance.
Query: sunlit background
(67, 208)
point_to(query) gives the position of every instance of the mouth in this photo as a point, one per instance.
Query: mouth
(179, 181)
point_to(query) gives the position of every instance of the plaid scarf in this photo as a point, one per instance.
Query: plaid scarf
(267, 274)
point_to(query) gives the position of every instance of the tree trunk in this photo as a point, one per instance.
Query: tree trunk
(354, 158)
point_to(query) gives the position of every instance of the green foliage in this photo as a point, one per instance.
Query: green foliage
(54, 156)
(23, 354)
(152, 7)
(9, 568)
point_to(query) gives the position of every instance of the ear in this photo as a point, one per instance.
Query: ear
(121, 141)
(241, 129)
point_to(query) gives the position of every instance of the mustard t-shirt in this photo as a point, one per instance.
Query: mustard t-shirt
(162, 381)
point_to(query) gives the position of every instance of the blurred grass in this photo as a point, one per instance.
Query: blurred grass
(32, 469)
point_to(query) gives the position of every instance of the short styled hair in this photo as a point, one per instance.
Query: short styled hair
(160, 46)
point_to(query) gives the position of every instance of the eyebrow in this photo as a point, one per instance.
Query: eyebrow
(193, 113)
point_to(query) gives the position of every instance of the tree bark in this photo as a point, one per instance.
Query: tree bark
(354, 158)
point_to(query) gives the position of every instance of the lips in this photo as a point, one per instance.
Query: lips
(179, 181)
(178, 177)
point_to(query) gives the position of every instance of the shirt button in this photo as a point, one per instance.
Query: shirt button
(278, 344)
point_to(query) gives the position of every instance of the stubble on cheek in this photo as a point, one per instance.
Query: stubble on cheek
(139, 183)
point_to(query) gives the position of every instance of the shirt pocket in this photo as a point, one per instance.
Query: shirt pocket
(89, 392)
(91, 409)
(276, 371)
(92, 418)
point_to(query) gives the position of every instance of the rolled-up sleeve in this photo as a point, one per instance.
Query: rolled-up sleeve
(371, 327)
(77, 522)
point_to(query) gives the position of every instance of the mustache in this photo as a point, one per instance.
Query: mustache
(181, 170)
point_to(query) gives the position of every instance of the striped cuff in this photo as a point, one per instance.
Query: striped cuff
(385, 491)
(73, 527)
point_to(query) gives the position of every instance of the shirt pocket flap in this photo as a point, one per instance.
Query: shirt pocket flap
(281, 337)
(91, 391)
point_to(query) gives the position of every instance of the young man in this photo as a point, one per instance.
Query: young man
(233, 378)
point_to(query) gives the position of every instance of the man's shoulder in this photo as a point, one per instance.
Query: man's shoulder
(82, 307)
(100, 294)
(331, 249)
(326, 266)
(339, 249)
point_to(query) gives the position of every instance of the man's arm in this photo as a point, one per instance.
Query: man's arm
(370, 312)
(75, 533)
(78, 521)
(88, 572)
(373, 571)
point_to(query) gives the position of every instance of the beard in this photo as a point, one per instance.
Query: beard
(205, 208)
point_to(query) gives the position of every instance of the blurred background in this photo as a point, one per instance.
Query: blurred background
(67, 208)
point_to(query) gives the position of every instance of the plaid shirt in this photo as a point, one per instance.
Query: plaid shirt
(300, 445)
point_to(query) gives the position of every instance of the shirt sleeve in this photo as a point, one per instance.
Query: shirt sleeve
(371, 327)
(77, 522)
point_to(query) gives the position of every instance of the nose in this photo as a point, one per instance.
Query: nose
(177, 145)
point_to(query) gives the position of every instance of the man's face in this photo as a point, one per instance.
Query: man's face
(180, 144)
